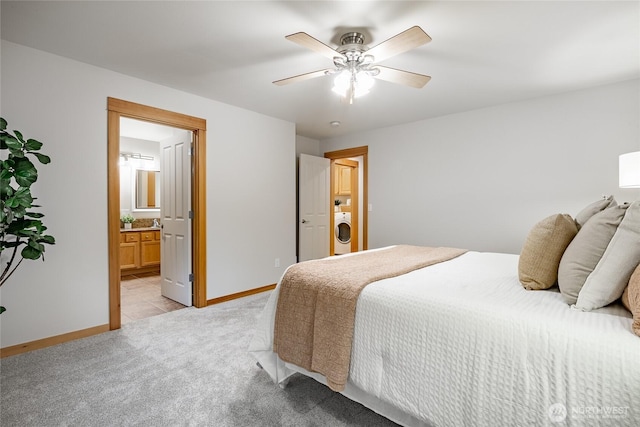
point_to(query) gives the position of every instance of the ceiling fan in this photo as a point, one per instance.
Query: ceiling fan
(356, 64)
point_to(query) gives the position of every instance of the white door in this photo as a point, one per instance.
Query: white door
(175, 247)
(314, 208)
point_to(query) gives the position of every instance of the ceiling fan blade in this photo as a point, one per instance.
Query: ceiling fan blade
(302, 77)
(406, 40)
(305, 40)
(402, 77)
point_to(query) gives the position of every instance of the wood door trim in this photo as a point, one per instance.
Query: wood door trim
(354, 152)
(355, 219)
(155, 115)
(118, 108)
(346, 162)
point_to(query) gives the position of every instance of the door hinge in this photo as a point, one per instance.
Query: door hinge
(191, 277)
(191, 149)
(190, 214)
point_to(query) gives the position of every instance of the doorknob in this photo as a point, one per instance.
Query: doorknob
(304, 221)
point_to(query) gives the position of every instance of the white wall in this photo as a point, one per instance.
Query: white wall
(250, 190)
(308, 146)
(481, 179)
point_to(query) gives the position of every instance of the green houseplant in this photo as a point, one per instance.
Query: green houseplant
(127, 220)
(22, 233)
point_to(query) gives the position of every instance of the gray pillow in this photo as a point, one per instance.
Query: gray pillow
(611, 275)
(593, 208)
(586, 249)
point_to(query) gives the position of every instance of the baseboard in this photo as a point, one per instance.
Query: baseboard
(59, 339)
(141, 270)
(48, 342)
(240, 294)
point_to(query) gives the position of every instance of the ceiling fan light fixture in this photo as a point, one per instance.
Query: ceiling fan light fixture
(355, 63)
(341, 82)
(362, 83)
(367, 60)
(340, 61)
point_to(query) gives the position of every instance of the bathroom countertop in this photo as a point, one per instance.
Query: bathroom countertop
(127, 230)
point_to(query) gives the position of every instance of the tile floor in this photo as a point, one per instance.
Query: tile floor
(140, 298)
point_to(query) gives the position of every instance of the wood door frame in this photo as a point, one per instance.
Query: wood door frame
(118, 108)
(353, 195)
(344, 154)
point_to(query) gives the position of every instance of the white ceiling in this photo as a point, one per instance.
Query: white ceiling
(482, 53)
(144, 130)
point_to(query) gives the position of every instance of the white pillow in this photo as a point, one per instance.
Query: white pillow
(611, 275)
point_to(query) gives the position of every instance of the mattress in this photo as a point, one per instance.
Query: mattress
(462, 343)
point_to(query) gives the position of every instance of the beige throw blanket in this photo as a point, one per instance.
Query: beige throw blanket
(316, 307)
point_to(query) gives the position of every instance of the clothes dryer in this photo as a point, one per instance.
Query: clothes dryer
(342, 233)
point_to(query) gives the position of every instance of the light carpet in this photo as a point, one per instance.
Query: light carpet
(185, 368)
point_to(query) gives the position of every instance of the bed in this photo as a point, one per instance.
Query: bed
(461, 342)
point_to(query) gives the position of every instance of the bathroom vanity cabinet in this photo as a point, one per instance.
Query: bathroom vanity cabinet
(139, 251)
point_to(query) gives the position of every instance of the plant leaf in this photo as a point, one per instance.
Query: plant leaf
(43, 158)
(23, 195)
(25, 172)
(18, 135)
(3, 124)
(32, 145)
(5, 174)
(2, 309)
(5, 188)
(35, 245)
(11, 142)
(29, 252)
(18, 212)
(49, 240)
(34, 214)
(12, 202)
(3, 139)
(23, 227)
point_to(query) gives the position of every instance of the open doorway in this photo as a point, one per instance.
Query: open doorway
(349, 166)
(147, 178)
(118, 109)
(345, 191)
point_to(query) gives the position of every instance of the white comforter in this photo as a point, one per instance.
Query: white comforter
(462, 343)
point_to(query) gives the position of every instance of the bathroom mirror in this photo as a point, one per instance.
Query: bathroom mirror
(147, 189)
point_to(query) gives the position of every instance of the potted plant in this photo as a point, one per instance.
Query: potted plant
(127, 220)
(337, 203)
(19, 226)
